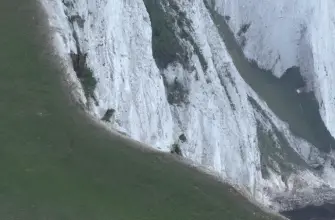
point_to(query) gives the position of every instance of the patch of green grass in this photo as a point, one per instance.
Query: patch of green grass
(169, 26)
(108, 114)
(175, 149)
(166, 46)
(84, 74)
(182, 138)
(177, 93)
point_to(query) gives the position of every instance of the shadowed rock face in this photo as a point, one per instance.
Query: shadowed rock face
(323, 212)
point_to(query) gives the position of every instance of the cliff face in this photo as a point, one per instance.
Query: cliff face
(282, 34)
(160, 72)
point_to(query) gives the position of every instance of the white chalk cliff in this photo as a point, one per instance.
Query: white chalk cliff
(161, 73)
(290, 33)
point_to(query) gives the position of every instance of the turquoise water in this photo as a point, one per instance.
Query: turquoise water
(56, 164)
